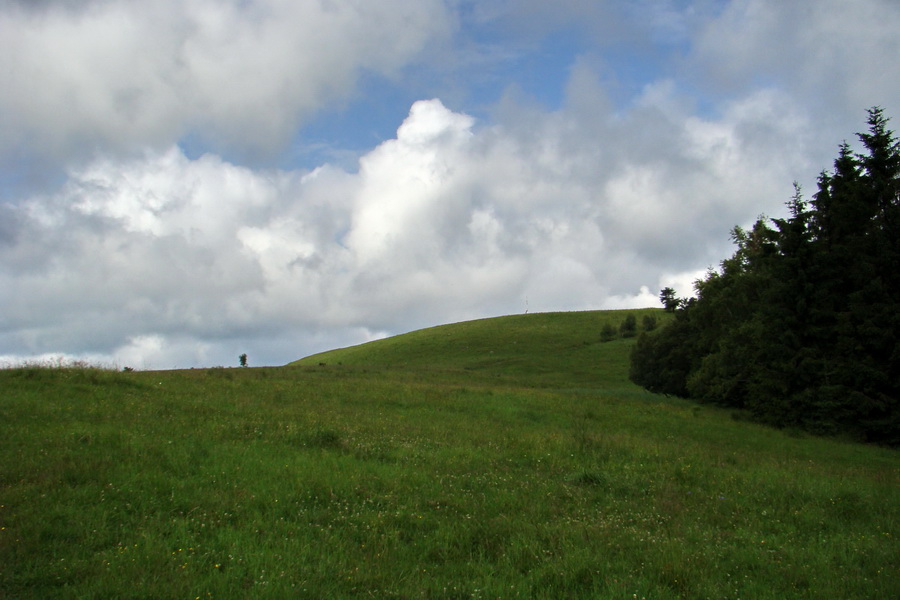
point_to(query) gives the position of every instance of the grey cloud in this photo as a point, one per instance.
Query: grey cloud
(9, 225)
(122, 75)
(834, 54)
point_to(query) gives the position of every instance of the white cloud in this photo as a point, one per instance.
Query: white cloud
(122, 74)
(161, 256)
(154, 259)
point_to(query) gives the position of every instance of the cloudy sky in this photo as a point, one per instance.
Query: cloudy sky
(183, 181)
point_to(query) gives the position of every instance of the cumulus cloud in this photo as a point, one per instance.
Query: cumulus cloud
(125, 74)
(165, 255)
(150, 255)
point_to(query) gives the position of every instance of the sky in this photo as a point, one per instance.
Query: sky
(185, 181)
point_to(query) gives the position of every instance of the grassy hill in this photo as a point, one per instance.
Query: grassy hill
(550, 350)
(503, 458)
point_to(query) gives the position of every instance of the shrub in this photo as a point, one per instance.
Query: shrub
(628, 328)
(608, 333)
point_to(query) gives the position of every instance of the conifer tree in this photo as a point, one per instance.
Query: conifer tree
(801, 325)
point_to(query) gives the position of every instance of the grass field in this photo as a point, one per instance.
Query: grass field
(503, 458)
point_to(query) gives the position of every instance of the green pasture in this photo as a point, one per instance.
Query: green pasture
(501, 458)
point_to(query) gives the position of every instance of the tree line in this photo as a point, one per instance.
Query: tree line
(800, 326)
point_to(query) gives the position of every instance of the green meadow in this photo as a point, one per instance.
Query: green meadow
(500, 458)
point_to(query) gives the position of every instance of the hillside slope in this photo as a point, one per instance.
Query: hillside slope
(438, 464)
(558, 350)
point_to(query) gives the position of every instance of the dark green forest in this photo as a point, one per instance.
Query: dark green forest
(799, 327)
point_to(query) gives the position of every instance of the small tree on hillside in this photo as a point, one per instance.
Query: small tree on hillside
(628, 328)
(669, 300)
(243, 359)
(608, 333)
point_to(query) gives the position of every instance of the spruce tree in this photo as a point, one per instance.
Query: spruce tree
(801, 325)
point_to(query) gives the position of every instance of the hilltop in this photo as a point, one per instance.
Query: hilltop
(550, 350)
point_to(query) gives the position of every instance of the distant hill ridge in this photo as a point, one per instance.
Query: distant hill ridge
(557, 349)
